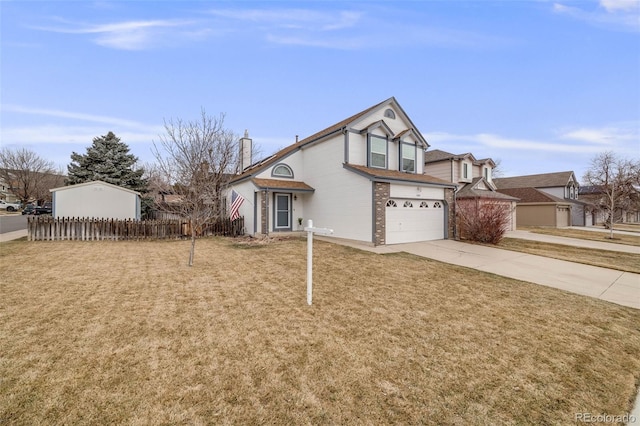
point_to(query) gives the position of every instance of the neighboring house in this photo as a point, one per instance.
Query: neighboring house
(474, 180)
(563, 188)
(362, 177)
(7, 195)
(628, 212)
(96, 199)
(537, 208)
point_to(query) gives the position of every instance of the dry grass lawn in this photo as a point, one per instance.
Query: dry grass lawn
(621, 261)
(632, 240)
(126, 333)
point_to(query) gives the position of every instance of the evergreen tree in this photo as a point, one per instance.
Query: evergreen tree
(107, 160)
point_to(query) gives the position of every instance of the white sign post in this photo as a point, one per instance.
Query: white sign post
(310, 231)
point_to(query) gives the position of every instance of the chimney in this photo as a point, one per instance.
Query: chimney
(246, 150)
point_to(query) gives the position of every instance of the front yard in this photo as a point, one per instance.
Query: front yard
(125, 332)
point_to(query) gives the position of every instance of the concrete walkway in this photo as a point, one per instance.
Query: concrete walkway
(611, 285)
(576, 242)
(13, 235)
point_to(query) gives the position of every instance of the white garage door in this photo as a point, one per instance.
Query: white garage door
(410, 220)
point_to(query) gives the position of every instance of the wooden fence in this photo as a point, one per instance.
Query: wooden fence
(43, 228)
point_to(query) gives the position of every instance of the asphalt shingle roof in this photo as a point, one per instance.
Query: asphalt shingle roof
(532, 195)
(543, 180)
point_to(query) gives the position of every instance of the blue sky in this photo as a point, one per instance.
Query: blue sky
(542, 86)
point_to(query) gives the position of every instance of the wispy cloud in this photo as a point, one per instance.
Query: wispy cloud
(294, 18)
(605, 136)
(69, 114)
(80, 128)
(612, 14)
(350, 29)
(129, 35)
(624, 138)
(617, 5)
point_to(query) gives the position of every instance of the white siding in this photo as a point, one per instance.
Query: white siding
(416, 192)
(342, 199)
(246, 189)
(96, 200)
(357, 149)
(294, 161)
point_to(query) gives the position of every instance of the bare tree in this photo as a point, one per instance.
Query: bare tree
(194, 162)
(27, 175)
(616, 179)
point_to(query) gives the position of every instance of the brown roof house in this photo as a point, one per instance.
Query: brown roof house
(363, 177)
(547, 199)
(473, 179)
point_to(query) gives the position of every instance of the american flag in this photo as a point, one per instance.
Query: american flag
(236, 202)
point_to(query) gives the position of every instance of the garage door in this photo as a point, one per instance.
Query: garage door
(410, 220)
(563, 216)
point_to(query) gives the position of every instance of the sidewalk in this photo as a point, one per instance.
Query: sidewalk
(576, 242)
(14, 235)
(611, 285)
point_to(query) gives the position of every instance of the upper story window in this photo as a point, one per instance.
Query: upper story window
(572, 192)
(465, 171)
(487, 173)
(282, 170)
(408, 158)
(390, 114)
(377, 151)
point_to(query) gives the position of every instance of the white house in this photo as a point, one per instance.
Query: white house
(362, 177)
(96, 199)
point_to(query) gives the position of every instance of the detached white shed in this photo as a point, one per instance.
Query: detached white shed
(96, 199)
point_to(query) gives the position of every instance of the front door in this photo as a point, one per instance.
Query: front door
(282, 213)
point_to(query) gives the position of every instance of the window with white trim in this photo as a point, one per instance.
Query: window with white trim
(408, 204)
(465, 171)
(377, 152)
(487, 174)
(392, 203)
(408, 158)
(282, 170)
(437, 205)
(424, 205)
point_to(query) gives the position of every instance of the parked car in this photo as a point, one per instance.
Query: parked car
(46, 208)
(29, 209)
(10, 207)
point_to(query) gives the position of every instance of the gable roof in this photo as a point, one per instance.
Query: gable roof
(94, 182)
(395, 175)
(543, 180)
(439, 155)
(475, 190)
(532, 195)
(291, 185)
(318, 137)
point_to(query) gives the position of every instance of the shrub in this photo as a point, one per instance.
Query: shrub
(483, 221)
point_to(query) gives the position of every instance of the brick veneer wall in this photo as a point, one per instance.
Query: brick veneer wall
(448, 198)
(381, 192)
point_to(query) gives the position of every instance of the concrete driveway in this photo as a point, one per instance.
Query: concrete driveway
(614, 286)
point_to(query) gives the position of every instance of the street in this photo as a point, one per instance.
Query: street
(13, 222)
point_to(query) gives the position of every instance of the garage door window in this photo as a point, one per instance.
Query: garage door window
(437, 205)
(391, 203)
(408, 204)
(424, 205)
